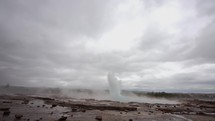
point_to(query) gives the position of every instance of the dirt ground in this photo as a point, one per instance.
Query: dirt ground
(34, 108)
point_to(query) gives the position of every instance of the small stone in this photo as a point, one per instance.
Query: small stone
(25, 102)
(54, 105)
(200, 113)
(130, 119)
(6, 113)
(66, 112)
(18, 116)
(7, 102)
(99, 118)
(63, 118)
(4, 109)
(74, 110)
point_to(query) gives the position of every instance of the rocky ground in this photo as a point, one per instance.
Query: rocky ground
(34, 108)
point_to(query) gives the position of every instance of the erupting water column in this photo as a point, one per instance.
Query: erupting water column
(114, 86)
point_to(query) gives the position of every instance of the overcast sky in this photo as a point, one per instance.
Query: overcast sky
(151, 44)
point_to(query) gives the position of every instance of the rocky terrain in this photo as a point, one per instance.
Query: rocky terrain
(42, 108)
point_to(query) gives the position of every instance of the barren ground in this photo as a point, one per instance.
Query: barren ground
(34, 108)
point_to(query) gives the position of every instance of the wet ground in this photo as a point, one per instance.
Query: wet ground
(34, 108)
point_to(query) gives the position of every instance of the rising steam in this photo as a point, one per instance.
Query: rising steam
(114, 86)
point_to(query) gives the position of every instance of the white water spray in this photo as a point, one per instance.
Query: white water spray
(114, 86)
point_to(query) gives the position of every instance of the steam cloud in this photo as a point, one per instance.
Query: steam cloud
(114, 86)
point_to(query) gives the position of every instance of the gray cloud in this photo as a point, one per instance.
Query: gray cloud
(151, 45)
(204, 44)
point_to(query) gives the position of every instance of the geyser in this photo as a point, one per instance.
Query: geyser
(115, 92)
(114, 86)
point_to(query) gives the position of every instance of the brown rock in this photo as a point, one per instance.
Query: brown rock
(200, 113)
(74, 110)
(99, 118)
(6, 113)
(4, 109)
(54, 105)
(6, 102)
(18, 116)
(44, 98)
(63, 118)
(25, 102)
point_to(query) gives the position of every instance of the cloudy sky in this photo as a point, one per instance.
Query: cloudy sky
(150, 44)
